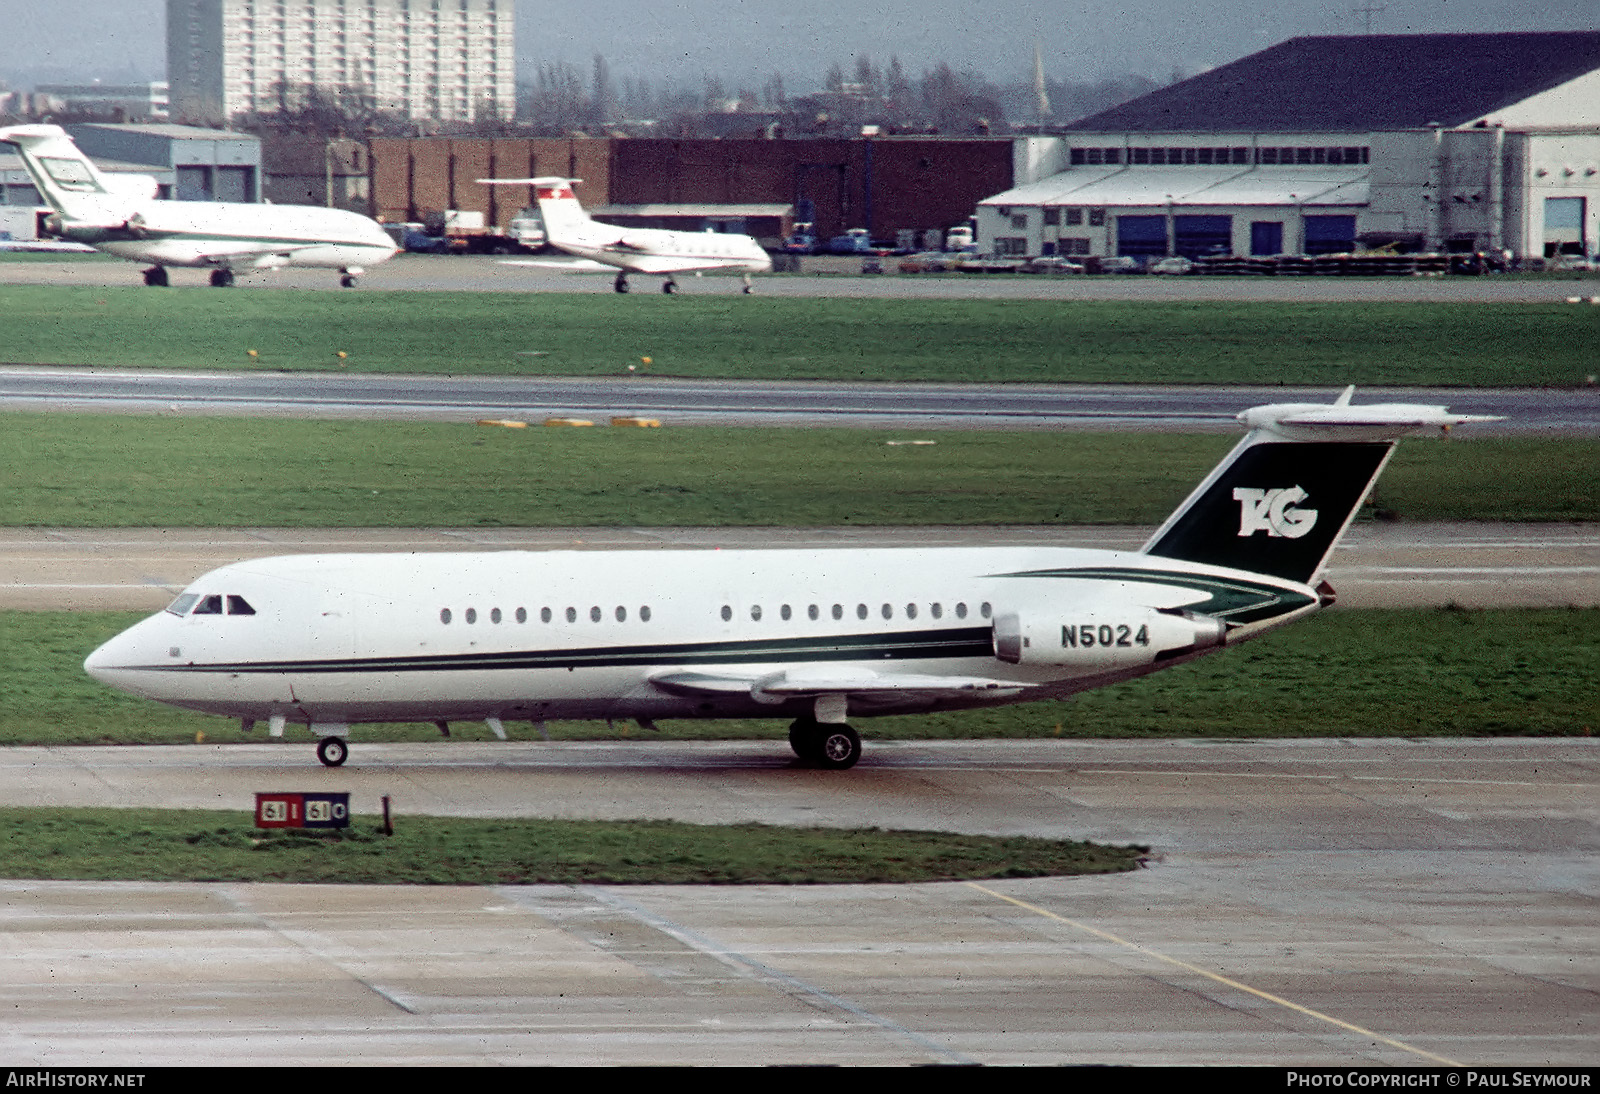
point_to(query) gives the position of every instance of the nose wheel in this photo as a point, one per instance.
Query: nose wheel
(332, 751)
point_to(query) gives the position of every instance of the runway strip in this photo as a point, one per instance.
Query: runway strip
(1129, 407)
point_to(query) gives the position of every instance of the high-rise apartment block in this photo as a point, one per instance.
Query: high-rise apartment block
(447, 60)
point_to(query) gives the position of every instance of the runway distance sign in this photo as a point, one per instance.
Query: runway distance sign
(319, 810)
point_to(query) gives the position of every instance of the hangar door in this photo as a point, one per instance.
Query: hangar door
(1330, 235)
(1563, 227)
(1140, 236)
(1194, 236)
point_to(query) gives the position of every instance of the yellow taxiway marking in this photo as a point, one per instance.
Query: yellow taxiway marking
(1217, 977)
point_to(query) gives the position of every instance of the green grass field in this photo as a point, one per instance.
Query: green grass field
(1340, 674)
(136, 471)
(200, 845)
(802, 338)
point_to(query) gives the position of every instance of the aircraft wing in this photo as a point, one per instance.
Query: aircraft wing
(779, 686)
(249, 254)
(662, 264)
(579, 265)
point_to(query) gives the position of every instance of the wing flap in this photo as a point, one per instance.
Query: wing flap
(777, 687)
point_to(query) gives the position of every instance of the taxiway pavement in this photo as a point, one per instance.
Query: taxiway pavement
(834, 278)
(1333, 903)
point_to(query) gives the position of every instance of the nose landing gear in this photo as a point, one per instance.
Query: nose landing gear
(332, 751)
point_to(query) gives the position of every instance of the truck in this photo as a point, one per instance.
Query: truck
(461, 231)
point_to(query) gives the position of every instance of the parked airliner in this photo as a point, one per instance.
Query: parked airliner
(122, 216)
(634, 250)
(810, 635)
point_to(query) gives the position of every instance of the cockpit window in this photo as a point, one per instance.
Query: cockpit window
(182, 605)
(238, 605)
(209, 605)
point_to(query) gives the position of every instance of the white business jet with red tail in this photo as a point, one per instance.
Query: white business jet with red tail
(634, 250)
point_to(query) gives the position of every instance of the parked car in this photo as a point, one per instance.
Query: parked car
(1122, 264)
(1177, 264)
(1052, 264)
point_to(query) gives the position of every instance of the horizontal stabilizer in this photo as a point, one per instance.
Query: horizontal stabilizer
(1339, 421)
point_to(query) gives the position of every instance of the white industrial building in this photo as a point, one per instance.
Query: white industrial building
(442, 60)
(1434, 142)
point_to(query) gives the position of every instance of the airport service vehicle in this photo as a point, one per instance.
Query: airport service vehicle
(854, 241)
(633, 250)
(122, 216)
(815, 636)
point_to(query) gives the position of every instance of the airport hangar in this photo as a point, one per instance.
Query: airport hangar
(1464, 142)
(1426, 142)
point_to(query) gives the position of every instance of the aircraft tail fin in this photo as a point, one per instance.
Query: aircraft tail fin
(67, 179)
(1280, 501)
(564, 218)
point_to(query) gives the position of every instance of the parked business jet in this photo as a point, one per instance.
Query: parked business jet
(122, 216)
(810, 635)
(634, 250)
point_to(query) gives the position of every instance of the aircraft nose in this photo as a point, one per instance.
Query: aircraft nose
(117, 655)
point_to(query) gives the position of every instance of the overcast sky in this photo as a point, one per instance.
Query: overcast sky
(744, 41)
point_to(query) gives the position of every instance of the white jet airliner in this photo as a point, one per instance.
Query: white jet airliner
(809, 635)
(122, 216)
(634, 250)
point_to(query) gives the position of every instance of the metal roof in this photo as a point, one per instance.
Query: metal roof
(1209, 186)
(1360, 83)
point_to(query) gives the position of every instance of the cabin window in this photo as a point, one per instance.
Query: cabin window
(595, 614)
(936, 609)
(785, 612)
(494, 615)
(984, 609)
(444, 615)
(888, 611)
(838, 611)
(472, 615)
(911, 611)
(622, 614)
(182, 604)
(727, 613)
(522, 615)
(812, 613)
(238, 605)
(544, 615)
(861, 611)
(572, 615)
(644, 613)
(961, 610)
(755, 612)
(209, 605)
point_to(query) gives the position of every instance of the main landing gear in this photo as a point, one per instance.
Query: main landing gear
(621, 283)
(348, 275)
(221, 279)
(332, 751)
(156, 277)
(832, 745)
(669, 286)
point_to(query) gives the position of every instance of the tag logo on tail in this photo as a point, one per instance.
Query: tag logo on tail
(1273, 512)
